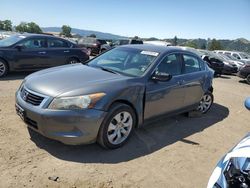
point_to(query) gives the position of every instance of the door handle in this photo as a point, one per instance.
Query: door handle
(66, 51)
(42, 52)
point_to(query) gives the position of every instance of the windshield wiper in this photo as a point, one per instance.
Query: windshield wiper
(108, 70)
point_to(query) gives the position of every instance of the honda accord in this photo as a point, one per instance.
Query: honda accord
(117, 91)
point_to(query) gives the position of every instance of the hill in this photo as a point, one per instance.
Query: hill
(84, 32)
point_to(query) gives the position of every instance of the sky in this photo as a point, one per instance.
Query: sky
(221, 19)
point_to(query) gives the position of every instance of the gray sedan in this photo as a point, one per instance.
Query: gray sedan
(105, 99)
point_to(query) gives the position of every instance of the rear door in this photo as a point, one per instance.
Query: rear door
(193, 80)
(33, 55)
(59, 51)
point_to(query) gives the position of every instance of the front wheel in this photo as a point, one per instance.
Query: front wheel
(205, 102)
(117, 126)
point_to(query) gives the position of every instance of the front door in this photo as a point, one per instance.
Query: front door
(168, 96)
(33, 54)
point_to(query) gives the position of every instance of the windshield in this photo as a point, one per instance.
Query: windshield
(244, 56)
(11, 40)
(126, 61)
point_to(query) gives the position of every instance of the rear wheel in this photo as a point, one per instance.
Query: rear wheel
(205, 102)
(3, 68)
(117, 126)
(73, 60)
(248, 79)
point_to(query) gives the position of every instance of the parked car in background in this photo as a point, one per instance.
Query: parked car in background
(231, 59)
(228, 68)
(29, 52)
(94, 45)
(114, 93)
(214, 64)
(120, 42)
(238, 55)
(244, 72)
(158, 42)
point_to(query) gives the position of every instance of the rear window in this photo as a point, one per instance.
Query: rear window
(136, 42)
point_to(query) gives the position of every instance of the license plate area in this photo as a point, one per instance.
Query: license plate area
(20, 111)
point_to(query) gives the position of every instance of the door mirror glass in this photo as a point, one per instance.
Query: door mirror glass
(161, 76)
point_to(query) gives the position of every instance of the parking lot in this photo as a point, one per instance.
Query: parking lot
(172, 152)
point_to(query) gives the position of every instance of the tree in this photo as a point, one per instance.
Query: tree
(34, 28)
(191, 44)
(215, 45)
(175, 41)
(92, 35)
(66, 31)
(31, 27)
(6, 25)
(203, 46)
(22, 27)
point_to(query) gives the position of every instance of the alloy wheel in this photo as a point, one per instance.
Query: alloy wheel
(120, 127)
(2, 68)
(205, 103)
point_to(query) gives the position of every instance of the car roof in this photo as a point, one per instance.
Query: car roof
(155, 48)
(26, 35)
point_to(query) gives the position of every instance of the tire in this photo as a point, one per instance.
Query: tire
(248, 79)
(205, 102)
(89, 51)
(73, 60)
(4, 69)
(112, 133)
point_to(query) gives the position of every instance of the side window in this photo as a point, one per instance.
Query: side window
(192, 64)
(34, 43)
(170, 65)
(236, 55)
(56, 43)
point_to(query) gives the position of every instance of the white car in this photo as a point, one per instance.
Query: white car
(158, 42)
(239, 55)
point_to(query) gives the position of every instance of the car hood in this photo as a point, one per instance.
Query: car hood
(56, 81)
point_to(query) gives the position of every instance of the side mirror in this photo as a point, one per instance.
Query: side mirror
(161, 76)
(247, 103)
(19, 47)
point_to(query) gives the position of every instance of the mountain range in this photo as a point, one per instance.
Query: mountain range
(240, 44)
(84, 32)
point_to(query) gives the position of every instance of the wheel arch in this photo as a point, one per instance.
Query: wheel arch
(123, 101)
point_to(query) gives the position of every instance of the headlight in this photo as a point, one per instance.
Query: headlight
(78, 102)
(226, 63)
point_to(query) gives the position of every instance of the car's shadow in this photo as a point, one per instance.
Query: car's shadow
(144, 141)
(16, 76)
(243, 82)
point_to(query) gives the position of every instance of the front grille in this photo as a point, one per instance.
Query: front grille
(30, 97)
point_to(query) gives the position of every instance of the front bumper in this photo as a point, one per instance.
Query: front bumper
(67, 126)
(229, 69)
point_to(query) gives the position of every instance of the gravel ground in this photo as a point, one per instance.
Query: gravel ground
(173, 152)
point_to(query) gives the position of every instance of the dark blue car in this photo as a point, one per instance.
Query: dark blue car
(29, 52)
(105, 99)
